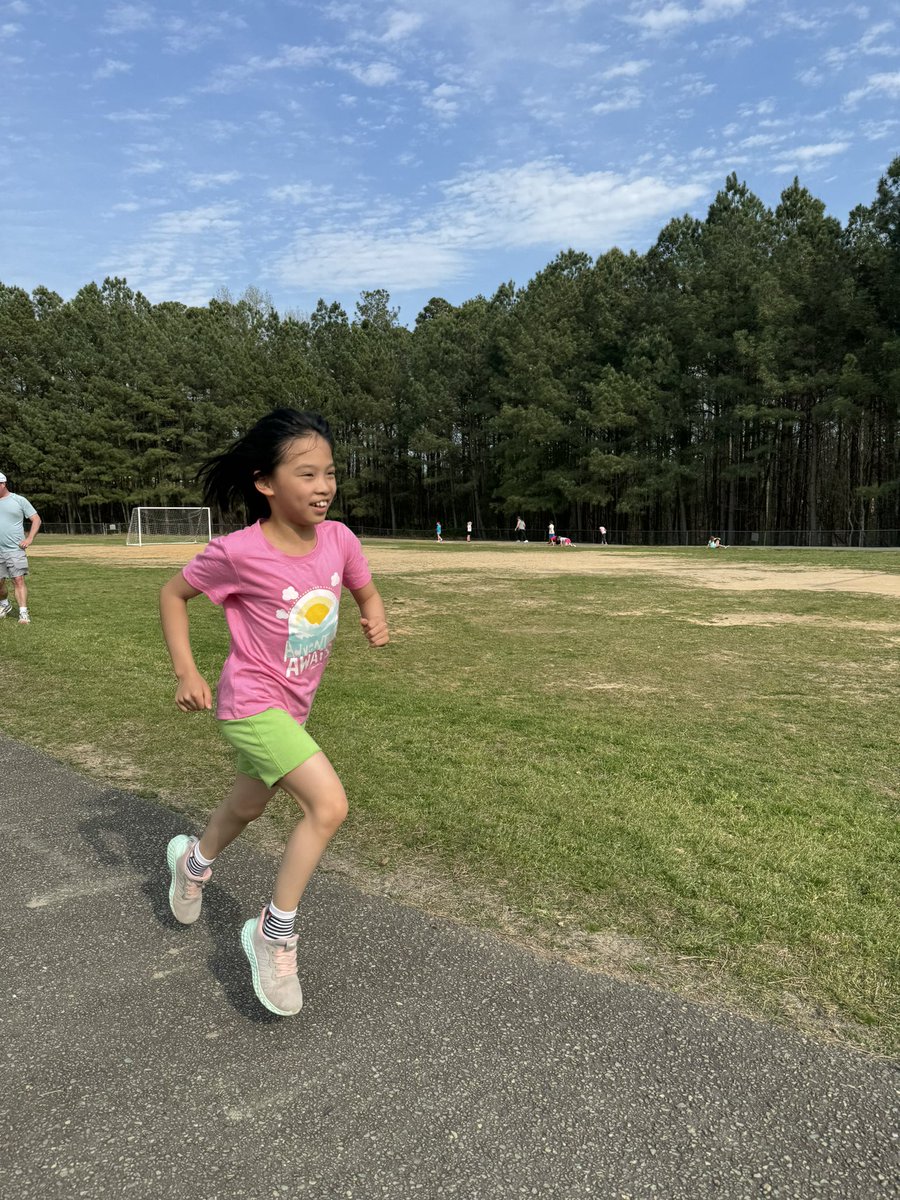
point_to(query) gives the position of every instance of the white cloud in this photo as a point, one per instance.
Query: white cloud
(138, 116)
(869, 43)
(186, 254)
(376, 74)
(128, 18)
(538, 204)
(149, 166)
(570, 7)
(19, 7)
(809, 156)
(184, 36)
(657, 22)
(696, 87)
(10, 29)
(811, 77)
(393, 259)
(400, 25)
(762, 108)
(629, 97)
(442, 101)
(233, 75)
(297, 193)
(760, 139)
(221, 179)
(627, 70)
(885, 84)
(111, 67)
(874, 131)
(545, 203)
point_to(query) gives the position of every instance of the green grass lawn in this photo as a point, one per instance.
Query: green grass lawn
(594, 764)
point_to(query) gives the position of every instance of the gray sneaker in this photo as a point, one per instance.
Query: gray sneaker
(274, 967)
(185, 892)
(5, 609)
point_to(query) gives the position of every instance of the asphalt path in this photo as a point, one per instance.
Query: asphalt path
(429, 1060)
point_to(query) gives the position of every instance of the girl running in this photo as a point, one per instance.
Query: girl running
(279, 582)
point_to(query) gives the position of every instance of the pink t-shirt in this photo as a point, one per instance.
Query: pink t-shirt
(282, 613)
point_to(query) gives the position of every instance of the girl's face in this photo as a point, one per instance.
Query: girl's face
(302, 486)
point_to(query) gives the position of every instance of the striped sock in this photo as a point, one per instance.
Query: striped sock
(278, 925)
(195, 864)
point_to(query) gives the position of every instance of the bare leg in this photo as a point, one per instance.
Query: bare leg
(21, 590)
(3, 592)
(245, 802)
(320, 794)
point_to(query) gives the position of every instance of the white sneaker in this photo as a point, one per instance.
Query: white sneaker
(24, 618)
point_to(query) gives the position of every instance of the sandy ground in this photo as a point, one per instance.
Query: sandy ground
(541, 560)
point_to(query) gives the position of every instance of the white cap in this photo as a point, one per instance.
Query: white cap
(2, 477)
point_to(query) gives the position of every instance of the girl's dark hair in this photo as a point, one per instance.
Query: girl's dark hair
(229, 478)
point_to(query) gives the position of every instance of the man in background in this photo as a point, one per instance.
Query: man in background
(15, 510)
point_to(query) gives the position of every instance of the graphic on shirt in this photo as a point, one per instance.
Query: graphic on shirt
(312, 623)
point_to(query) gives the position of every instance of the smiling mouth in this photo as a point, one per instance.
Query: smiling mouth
(322, 504)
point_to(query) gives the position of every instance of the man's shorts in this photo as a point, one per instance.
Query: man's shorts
(13, 563)
(269, 744)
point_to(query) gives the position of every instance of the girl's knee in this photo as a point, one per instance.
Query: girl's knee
(335, 809)
(329, 809)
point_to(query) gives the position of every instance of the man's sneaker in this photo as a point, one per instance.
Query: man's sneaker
(5, 609)
(185, 892)
(24, 618)
(274, 967)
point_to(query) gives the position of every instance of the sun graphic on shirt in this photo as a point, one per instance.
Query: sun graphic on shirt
(311, 620)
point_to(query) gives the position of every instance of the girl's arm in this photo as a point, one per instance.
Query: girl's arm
(193, 692)
(371, 614)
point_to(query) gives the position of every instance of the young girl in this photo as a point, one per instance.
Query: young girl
(279, 582)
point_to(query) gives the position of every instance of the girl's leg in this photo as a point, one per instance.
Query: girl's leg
(269, 941)
(320, 794)
(245, 802)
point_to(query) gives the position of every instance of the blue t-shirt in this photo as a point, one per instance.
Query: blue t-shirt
(13, 511)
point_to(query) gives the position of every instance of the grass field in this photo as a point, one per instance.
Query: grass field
(683, 780)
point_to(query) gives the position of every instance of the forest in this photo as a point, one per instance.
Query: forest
(741, 377)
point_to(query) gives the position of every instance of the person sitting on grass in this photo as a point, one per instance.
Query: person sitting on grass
(279, 582)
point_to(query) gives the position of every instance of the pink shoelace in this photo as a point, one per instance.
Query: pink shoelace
(285, 959)
(192, 888)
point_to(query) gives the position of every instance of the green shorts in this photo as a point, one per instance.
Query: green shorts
(269, 744)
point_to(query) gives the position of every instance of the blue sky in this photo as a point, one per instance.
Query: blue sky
(433, 148)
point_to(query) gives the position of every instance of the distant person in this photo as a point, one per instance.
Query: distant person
(551, 534)
(520, 530)
(468, 531)
(15, 510)
(603, 541)
(437, 531)
(279, 581)
(565, 541)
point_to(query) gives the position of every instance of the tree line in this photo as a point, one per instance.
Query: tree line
(741, 375)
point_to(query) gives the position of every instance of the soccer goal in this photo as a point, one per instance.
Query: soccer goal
(168, 526)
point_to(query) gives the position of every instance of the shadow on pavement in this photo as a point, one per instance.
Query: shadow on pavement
(125, 830)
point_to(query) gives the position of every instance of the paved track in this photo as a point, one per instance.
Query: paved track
(429, 1060)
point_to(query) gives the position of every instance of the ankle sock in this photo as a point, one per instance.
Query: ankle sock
(278, 925)
(195, 864)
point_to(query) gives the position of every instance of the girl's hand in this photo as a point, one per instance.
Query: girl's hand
(193, 693)
(376, 630)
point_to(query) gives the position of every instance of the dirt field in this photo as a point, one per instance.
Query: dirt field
(540, 560)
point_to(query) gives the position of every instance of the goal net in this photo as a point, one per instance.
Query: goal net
(168, 526)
